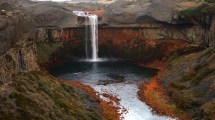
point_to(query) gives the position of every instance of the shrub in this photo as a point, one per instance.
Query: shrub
(210, 1)
(194, 11)
(177, 86)
(188, 75)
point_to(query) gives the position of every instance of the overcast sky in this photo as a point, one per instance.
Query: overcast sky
(53, 0)
(63, 0)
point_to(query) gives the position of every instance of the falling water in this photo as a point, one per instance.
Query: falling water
(94, 36)
(93, 19)
(86, 38)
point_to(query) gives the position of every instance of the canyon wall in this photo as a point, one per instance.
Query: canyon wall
(190, 76)
(211, 31)
(194, 34)
(132, 42)
(205, 22)
(144, 42)
(187, 33)
(18, 50)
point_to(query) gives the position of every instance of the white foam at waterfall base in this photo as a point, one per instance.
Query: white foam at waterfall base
(93, 20)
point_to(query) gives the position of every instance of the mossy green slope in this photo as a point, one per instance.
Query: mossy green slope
(42, 97)
(190, 80)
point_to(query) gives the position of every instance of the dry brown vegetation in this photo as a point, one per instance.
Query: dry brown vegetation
(40, 96)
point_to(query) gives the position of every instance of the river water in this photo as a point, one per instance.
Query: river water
(117, 78)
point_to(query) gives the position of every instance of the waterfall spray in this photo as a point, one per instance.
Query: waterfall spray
(93, 19)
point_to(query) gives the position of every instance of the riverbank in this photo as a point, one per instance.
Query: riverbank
(154, 95)
(108, 109)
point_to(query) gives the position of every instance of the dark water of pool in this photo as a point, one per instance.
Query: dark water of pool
(99, 72)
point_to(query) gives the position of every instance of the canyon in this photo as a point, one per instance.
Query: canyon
(37, 36)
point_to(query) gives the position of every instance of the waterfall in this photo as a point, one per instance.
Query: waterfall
(86, 38)
(93, 20)
(94, 36)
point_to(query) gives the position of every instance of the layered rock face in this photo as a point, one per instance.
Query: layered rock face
(206, 24)
(124, 41)
(114, 40)
(210, 33)
(18, 60)
(17, 51)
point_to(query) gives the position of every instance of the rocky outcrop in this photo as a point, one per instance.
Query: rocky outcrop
(211, 33)
(209, 29)
(121, 12)
(202, 16)
(189, 80)
(17, 50)
(128, 12)
(17, 60)
(204, 29)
